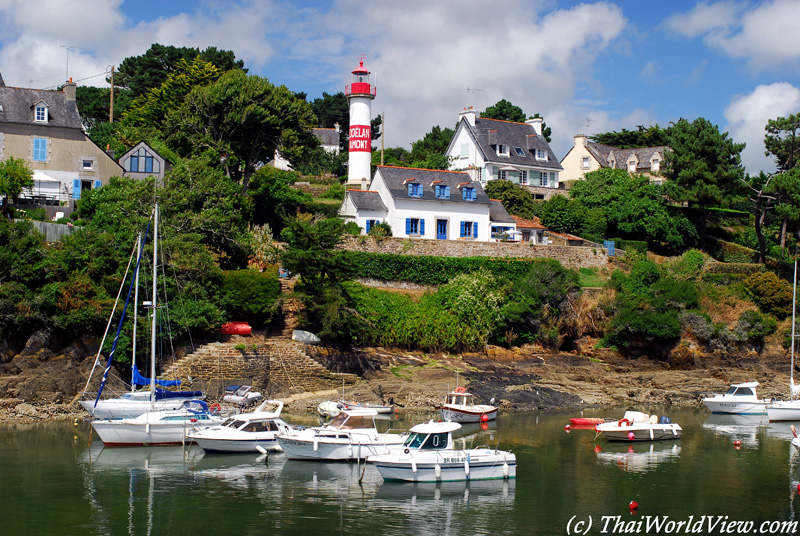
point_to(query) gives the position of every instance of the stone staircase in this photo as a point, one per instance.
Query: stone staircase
(274, 359)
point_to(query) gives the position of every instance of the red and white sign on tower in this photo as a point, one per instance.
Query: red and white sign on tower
(360, 93)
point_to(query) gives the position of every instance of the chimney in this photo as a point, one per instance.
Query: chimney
(536, 123)
(470, 114)
(109, 152)
(70, 90)
(364, 184)
(336, 127)
(580, 140)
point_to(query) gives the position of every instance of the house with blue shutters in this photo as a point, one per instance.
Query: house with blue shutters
(44, 129)
(491, 149)
(427, 203)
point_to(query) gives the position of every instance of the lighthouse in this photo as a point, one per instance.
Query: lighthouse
(360, 93)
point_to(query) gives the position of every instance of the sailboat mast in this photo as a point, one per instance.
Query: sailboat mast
(135, 308)
(794, 307)
(154, 306)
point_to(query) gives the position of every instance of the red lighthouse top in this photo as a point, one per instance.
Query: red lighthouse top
(360, 85)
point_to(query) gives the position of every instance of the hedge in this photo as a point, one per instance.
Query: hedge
(630, 245)
(729, 252)
(434, 271)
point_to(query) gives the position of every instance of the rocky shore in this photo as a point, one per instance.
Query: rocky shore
(525, 379)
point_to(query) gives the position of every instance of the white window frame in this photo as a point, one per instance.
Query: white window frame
(502, 174)
(479, 174)
(91, 165)
(40, 107)
(544, 178)
(541, 155)
(655, 165)
(502, 150)
(464, 150)
(523, 177)
(585, 162)
(632, 166)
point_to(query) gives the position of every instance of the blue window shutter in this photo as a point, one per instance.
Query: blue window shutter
(76, 188)
(408, 226)
(422, 227)
(368, 224)
(474, 194)
(464, 194)
(40, 149)
(463, 229)
(410, 190)
(447, 192)
(475, 230)
(97, 183)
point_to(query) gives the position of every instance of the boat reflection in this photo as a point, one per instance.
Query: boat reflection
(477, 492)
(744, 428)
(174, 458)
(638, 457)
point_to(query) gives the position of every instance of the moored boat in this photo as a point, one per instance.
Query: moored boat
(351, 435)
(241, 395)
(429, 455)
(246, 432)
(460, 406)
(740, 398)
(638, 426)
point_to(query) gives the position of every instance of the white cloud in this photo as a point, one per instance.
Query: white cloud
(747, 115)
(765, 35)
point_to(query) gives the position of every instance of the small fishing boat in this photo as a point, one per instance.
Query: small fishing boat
(586, 421)
(740, 398)
(246, 432)
(380, 409)
(429, 455)
(241, 395)
(638, 426)
(460, 406)
(351, 435)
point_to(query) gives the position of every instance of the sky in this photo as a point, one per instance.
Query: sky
(586, 68)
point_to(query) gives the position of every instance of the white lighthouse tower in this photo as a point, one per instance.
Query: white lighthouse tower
(360, 93)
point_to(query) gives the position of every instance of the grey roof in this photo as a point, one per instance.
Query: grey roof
(367, 200)
(18, 104)
(599, 151)
(643, 155)
(488, 133)
(499, 214)
(395, 180)
(327, 136)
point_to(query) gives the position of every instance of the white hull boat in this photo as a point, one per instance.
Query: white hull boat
(740, 399)
(789, 410)
(637, 426)
(785, 410)
(351, 435)
(156, 427)
(241, 395)
(247, 432)
(134, 404)
(428, 455)
(460, 406)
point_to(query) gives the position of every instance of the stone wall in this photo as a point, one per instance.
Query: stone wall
(570, 256)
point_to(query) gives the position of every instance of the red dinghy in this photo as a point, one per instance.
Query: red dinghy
(586, 421)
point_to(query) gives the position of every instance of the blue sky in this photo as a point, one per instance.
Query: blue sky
(585, 67)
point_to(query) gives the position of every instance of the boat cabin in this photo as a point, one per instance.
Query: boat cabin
(432, 436)
(252, 425)
(460, 398)
(742, 389)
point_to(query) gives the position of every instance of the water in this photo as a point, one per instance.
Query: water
(55, 480)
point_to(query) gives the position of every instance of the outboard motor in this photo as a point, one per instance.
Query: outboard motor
(665, 420)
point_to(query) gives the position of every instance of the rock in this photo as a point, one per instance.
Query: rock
(26, 409)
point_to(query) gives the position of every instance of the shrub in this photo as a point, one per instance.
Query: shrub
(689, 265)
(771, 294)
(352, 228)
(249, 294)
(753, 326)
(380, 230)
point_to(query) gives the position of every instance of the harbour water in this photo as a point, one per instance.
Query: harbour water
(55, 478)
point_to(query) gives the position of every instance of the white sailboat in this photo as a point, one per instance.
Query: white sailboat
(789, 410)
(155, 427)
(132, 403)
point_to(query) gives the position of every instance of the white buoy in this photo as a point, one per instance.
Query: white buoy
(261, 449)
(413, 466)
(437, 471)
(505, 469)
(316, 444)
(466, 467)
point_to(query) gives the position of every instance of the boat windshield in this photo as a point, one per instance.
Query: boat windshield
(460, 400)
(427, 441)
(233, 423)
(345, 422)
(740, 391)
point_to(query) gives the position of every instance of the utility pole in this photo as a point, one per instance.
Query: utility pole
(383, 131)
(111, 112)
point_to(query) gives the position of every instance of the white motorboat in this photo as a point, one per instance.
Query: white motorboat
(156, 427)
(740, 398)
(241, 395)
(460, 406)
(351, 435)
(638, 426)
(246, 432)
(789, 410)
(381, 409)
(429, 455)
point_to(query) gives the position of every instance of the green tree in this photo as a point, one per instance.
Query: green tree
(243, 119)
(652, 136)
(516, 199)
(563, 215)
(94, 105)
(433, 145)
(634, 207)
(782, 141)
(274, 199)
(22, 253)
(331, 110)
(704, 168)
(142, 73)
(15, 177)
(505, 111)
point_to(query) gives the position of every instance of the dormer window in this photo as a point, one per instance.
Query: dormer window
(442, 191)
(632, 166)
(414, 189)
(40, 113)
(502, 150)
(541, 154)
(655, 165)
(468, 194)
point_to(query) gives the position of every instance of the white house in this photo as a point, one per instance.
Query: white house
(490, 149)
(426, 203)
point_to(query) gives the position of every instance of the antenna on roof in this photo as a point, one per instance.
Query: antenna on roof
(66, 75)
(588, 120)
(473, 90)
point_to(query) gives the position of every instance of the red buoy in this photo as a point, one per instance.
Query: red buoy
(484, 418)
(567, 427)
(631, 435)
(598, 448)
(737, 443)
(633, 505)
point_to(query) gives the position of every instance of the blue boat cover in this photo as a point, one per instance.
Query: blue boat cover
(138, 379)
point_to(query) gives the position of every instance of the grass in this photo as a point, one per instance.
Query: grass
(591, 277)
